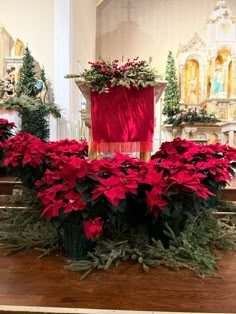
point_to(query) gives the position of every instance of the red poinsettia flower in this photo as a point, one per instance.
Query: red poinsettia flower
(48, 195)
(155, 202)
(129, 183)
(107, 166)
(186, 179)
(50, 177)
(203, 192)
(93, 228)
(75, 168)
(74, 202)
(111, 188)
(52, 210)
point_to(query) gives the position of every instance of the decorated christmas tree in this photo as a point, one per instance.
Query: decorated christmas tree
(27, 80)
(34, 121)
(171, 96)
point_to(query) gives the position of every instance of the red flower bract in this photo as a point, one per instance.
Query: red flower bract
(93, 228)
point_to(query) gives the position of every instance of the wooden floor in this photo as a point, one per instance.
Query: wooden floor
(26, 280)
(29, 281)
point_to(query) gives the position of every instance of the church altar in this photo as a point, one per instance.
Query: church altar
(121, 120)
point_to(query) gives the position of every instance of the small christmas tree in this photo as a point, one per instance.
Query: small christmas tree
(27, 81)
(171, 96)
(34, 121)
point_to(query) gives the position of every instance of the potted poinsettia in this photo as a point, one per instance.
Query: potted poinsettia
(107, 196)
(6, 131)
(28, 157)
(92, 199)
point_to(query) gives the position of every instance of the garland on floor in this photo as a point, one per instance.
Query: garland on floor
(193, 249)
(20, 228)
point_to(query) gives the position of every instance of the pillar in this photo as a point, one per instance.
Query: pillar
(231, 138)
(226, 78)
(233, 95)
(212, 77)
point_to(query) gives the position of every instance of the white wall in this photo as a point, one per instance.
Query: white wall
(60, 34)
(84, 40)
(149, 28)
(31, 22)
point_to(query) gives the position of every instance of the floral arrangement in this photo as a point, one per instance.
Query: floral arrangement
(105, 74)
(121, 192)
(192, 115)
(121, 208)
(28, 157)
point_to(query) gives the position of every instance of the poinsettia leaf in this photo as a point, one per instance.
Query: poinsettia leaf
(172, 192)
(81, 187)
(122, 206)
(86, 197)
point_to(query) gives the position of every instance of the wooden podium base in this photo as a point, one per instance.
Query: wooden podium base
(146, 156)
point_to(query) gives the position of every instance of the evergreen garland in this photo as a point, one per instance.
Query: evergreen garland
(21, 228)
(171, 95)
(36, 122)
(192, 249)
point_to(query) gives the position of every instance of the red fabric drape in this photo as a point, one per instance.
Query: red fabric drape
(123, 119)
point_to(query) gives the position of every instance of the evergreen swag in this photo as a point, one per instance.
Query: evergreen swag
(171, 95)
(194, 248)
(191, 116)
(104, 74)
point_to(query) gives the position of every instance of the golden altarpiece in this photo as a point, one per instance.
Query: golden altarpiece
(11, 54)
(207, 78)
(10, 67)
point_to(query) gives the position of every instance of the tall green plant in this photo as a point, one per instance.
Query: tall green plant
(171, 96)
(36, 122)
(27, 80)
(34, 119)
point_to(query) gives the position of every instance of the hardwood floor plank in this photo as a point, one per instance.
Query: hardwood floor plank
(27, 280)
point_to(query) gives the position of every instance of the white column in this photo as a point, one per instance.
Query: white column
(233, 91)
(62, 56)
(231, 138)
(212, 77)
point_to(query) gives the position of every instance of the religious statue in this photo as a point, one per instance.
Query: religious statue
(9, 84)
(218, 80)
(192, 91)
(42, 93)
(19, 48)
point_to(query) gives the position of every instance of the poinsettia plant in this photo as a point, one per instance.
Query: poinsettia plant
(6, 131)
(104, 74)
(28, 157)
(117, 194)
(126, 191)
